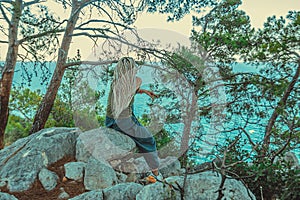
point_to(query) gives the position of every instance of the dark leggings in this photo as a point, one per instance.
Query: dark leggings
(140, 135)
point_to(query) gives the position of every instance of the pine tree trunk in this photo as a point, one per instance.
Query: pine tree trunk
(47, 103)
(9, 67)
(6, 82)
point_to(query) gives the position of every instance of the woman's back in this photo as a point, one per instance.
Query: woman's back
(127, 112)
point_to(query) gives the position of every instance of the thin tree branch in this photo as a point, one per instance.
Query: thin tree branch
(79, 8)
(2, 41)
(5, 16)
(248, 136)
(33, 2)
(237, 177)
(24, 114)
(109, 16)
(6, 1)
(102, 21)
(93, 29)
(40, 35)
(115, 39)
(95, 63)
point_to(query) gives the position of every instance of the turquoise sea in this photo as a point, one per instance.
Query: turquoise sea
(42, 75)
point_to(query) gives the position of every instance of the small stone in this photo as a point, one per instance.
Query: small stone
(2, 183)
(74, 170)
(63, 194)
(48, 179)
(65, 179)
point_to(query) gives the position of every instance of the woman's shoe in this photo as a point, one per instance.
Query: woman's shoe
(151, 178)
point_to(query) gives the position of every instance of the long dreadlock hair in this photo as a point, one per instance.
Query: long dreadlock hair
(124, 85)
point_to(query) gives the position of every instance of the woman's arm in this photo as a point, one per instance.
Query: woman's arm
(149, 93)
(141, 91)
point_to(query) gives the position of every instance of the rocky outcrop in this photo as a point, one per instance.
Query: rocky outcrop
(22, 161)
(107, 167)
(204, 186)
(198, 186)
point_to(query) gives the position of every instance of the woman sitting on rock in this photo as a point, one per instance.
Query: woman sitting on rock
(120, 116)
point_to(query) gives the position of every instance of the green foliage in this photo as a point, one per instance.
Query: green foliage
(278, 42)
(275, 178)
(16, 128)
(71, 108)
(162, 138)
(270, 97)
(61, 115)
(226, 31)
(178, 9)
(23, 103)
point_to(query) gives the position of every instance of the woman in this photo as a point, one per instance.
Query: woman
(120, 116)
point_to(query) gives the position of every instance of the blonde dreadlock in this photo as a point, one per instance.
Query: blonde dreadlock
(124, 85)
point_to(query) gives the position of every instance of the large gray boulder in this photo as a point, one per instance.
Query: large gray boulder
(103, 143)
(204, 186)
(92, 195)
(156, 191)
(99, 175)
(21, 162)
(5, 196)
(198, 186)
(122, 191)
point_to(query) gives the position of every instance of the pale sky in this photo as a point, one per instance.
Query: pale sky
(258, 10)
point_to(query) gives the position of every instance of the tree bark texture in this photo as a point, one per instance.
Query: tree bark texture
(9, 67)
